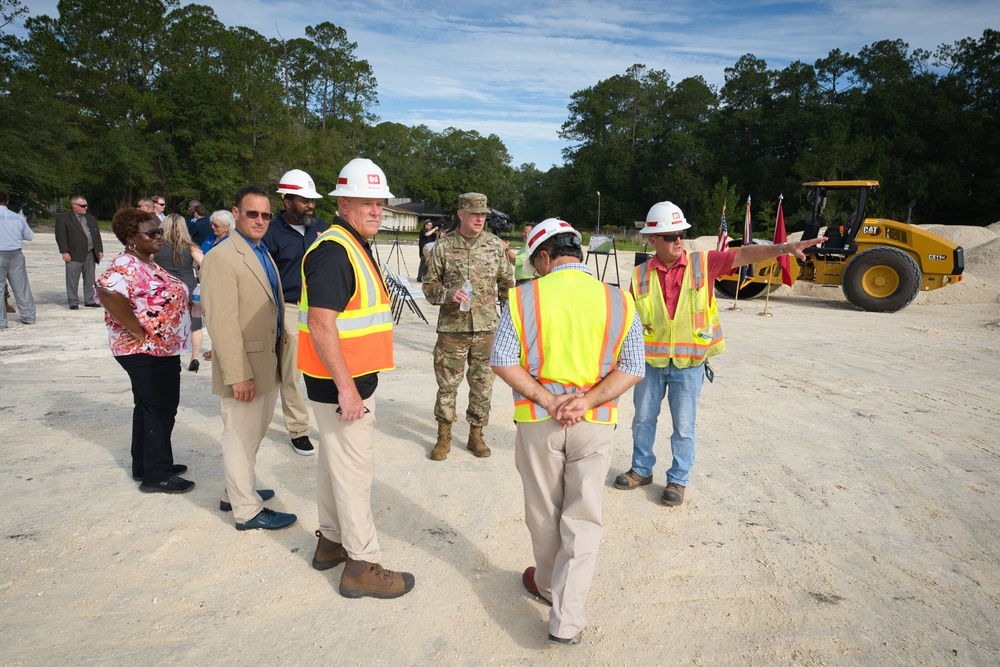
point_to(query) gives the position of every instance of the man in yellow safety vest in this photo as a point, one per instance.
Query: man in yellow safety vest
(567, 365)
(681, 330)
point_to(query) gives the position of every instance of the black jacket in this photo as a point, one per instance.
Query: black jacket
(287, 248)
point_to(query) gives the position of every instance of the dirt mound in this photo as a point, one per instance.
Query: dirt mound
(983, 261)
(966, 236)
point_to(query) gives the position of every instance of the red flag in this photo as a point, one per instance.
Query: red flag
(781, 237)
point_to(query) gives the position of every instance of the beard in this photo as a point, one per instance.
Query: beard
(306, 219)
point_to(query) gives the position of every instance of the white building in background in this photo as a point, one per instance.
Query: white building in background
(395, 219)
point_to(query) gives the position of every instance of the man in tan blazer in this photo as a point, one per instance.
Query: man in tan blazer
(241, 294)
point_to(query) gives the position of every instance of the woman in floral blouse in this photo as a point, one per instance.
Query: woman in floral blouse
(149, 328)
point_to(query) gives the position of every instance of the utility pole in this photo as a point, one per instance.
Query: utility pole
(598, 211)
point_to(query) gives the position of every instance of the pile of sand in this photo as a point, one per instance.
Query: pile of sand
(983, 261)
(964, 235)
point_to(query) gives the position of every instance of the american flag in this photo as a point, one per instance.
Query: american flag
(723, 232)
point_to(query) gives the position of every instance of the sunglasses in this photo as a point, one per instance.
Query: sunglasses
(672, 238)
(82, 205)
(254, 214)
(154, 233)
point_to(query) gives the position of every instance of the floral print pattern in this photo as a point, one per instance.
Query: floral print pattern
(159, 301)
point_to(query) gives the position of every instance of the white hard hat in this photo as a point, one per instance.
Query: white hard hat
(362, 178)
(298, 182)
(542, 232)
(665, 218)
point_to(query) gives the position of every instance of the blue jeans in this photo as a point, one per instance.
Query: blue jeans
(682, 387)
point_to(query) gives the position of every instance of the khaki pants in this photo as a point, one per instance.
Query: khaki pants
(563, 474)
(344, 474)
(243, 427)
(293, 405)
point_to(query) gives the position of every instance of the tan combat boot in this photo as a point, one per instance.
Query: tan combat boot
(443, 445)
(476, 443)
(361, 579)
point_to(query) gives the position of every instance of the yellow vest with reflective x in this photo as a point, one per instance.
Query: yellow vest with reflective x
(365, 326)
(571, 328)
(695, 333)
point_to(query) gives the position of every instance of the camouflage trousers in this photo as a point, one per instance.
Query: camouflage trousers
(451, 353)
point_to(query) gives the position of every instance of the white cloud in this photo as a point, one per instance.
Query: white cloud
(509, 67)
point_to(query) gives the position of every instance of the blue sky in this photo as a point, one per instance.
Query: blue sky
(509, 67)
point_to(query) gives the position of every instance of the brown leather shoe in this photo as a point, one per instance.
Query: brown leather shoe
(632, 480)
(328, 553)
(673, 495)
(361, 579)
(528, 580)
(476, 443)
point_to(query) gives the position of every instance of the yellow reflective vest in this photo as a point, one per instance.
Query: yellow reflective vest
(571, 328)
(365, 326)
(695, 333)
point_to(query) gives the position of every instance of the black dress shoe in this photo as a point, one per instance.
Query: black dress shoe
(194, 365)
(176, 469)
(92, 305)
(74, 307)
(172, 484)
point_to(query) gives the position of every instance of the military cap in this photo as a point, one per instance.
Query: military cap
(473, 202)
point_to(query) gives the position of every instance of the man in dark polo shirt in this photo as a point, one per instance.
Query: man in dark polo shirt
(288, 237)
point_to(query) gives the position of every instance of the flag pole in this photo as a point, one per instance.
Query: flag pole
(767, 297)
(774, 262)
(746, 239)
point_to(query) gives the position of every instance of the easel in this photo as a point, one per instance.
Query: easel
(393, 249)
(603, 245)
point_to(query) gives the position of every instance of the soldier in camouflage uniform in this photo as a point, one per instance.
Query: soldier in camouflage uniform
(469, 253)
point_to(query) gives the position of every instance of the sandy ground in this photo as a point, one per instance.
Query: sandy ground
(842, 511)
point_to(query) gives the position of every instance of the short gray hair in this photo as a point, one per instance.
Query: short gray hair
(224, 218)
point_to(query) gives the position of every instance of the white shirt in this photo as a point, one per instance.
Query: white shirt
(14, 230)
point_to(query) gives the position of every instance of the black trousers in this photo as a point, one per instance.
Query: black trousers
(156, 391)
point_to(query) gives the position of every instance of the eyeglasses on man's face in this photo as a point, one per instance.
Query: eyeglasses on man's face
(671, 238)
(76, 203)
(253, 215)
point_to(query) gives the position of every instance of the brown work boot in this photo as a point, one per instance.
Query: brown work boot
(362, 579)
(632, 480)
(443, 444)
(476, 443)
(328, 553)
(673, 494)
